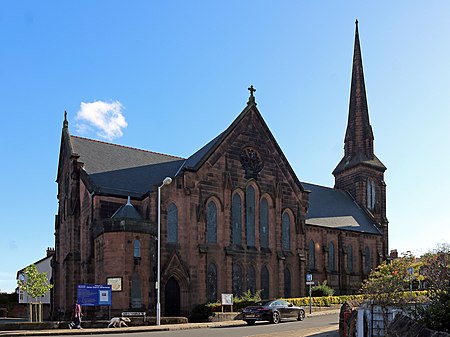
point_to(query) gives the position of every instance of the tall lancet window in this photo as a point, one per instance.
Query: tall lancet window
(250, 215)
(236, 213)
(264, 224)
(370, 193)
(211, 219)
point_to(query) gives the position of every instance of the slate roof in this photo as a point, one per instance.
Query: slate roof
(121, 170)
(99, 156)
(127, 211)
(357, 159)
(329, 207)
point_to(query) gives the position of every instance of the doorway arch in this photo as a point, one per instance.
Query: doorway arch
(172, 298)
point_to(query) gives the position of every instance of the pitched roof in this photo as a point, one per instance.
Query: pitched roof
(127, 211)
(100, 157)
(121, 170)
(134, 181)
(329, 207)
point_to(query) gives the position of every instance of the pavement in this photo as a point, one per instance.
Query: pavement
(165, 327)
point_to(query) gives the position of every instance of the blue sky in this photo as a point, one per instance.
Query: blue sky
(168, 76)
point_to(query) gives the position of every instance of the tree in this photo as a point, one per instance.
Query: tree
(389, 281)
(436, 270)
(36, 285)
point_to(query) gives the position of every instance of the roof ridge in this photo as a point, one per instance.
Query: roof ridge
(126, 147)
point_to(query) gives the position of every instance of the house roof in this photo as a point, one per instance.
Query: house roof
(332, 208)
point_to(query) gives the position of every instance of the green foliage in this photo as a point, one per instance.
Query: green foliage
(35, 284)
(436, 270)
(322, 290)
(388, 283)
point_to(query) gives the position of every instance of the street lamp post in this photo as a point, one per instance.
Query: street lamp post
(166, 181)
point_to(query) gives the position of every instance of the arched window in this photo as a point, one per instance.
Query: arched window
(264, 223)
(311, 255)
(367, 261)
(265, 283)
(211, 222)
(236, 209)
(137, 248)
(212, 283)
(237, 279)
(251, 279)
(172, 223)
(350, 258)
(250, 215)
(370, 193)
(286, 232)
(331, 266)
(287, 283)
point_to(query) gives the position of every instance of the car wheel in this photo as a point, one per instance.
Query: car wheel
(250, 322)
(275, 317)
(301, 315)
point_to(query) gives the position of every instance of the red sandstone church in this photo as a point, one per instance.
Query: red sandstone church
(236, 217)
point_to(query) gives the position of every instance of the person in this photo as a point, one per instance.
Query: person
(77, 316)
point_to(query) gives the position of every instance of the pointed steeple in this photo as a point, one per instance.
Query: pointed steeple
(359, 135)
(358, 141)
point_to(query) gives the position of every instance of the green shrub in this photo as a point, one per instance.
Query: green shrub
(322, 290)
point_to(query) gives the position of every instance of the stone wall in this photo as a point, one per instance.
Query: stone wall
(403, 326)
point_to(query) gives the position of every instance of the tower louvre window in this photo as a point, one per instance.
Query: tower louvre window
(370, 193)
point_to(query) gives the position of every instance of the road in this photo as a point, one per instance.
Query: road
(319, 326)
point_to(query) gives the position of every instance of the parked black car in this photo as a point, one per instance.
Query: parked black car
(273, 311)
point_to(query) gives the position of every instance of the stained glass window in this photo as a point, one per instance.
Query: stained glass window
(137, 248)
(367, 262)
(212, 283)
(331, 265)
(250, 215)
(251, 279)
(237, 280)
(264, 224)
(236, 209)
(286, 232)
(350, 258)
(212, 222)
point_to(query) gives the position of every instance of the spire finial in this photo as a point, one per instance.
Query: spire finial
(251, 99)
(65, 123)
(356, 22)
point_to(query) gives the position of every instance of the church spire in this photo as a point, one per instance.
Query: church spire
(359, 135)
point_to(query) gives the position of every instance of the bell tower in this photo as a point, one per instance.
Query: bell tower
(360, 172)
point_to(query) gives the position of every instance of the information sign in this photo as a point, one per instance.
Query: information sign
(94, 294)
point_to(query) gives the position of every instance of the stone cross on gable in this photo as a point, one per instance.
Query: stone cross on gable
(252, 90)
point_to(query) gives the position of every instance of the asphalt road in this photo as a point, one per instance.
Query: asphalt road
(320, 326)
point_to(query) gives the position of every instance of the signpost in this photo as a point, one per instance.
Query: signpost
(410, 271)
(309, 282)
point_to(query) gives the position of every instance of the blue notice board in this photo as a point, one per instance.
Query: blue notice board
(94, 294)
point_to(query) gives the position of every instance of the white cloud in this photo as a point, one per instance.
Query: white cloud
(106, 119)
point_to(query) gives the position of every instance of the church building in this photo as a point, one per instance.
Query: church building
(234, 216)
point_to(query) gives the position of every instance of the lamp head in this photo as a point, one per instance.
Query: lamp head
(167, 181)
